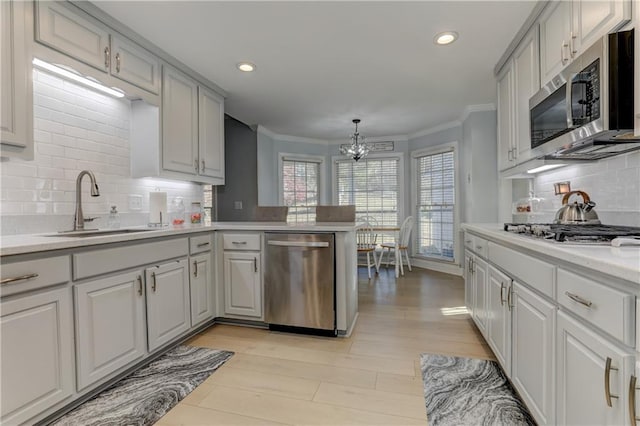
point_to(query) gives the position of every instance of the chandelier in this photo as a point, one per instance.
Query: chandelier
(358, 149)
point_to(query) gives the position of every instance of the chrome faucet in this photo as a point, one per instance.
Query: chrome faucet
(79, 220)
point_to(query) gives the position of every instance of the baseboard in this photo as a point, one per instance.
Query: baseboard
(447, 268)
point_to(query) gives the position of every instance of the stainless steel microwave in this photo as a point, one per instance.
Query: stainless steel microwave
(586, 112)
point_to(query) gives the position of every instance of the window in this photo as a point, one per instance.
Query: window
(299, 187)
(373, 185)
(435, 203)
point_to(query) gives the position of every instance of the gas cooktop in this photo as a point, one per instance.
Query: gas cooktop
(578, 234)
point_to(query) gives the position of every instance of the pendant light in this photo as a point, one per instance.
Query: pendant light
(358, 148)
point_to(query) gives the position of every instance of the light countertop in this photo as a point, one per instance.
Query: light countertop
(621, 262)
(31, 243)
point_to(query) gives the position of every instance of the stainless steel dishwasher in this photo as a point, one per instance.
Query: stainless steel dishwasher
(299, 283)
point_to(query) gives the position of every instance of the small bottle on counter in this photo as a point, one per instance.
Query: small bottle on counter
(196, 213)
(114, 218)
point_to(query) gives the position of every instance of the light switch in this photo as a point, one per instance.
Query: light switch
(237, 205)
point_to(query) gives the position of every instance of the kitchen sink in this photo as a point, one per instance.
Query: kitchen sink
(97, 232)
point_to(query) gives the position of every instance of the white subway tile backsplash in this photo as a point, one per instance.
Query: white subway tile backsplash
(76, 129)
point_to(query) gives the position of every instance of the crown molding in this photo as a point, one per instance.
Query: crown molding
(289, 138)
(436, 129)
(476, 108)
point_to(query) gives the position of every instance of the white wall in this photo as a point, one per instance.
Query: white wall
(76, 129)
(613, 183)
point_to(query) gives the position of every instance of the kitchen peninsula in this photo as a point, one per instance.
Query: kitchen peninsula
(124, 298)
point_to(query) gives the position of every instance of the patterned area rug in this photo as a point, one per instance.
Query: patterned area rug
(147, 394)
(465, 391)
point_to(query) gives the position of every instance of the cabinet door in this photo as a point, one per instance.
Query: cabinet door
(37, 365)
(499, 317)
(593, 19)
(581, 381)
(201, 281)
(134, 64)
(110, 325)
(69, 30)
(555, 37)
(468, 283)
(211, 133)
(480, 293)
(168, 310)
(16, 90)
(533, 345)
(179, 122)
(526, 72)
(505, 118)
(242, 284)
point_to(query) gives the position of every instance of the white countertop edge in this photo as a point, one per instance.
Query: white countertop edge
(31, 243)
(619, 262)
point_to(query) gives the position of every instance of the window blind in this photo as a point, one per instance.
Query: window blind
(436, 203)
(300, 189)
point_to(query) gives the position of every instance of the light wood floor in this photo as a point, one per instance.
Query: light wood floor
(372, 377)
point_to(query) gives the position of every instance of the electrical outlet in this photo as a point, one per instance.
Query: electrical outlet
(237, 205)
(135, 202)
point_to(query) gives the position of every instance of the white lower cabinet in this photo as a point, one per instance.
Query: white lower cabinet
(479, 272)
(533, 352)
(242, 284)
(593, 376)
(110, 325)
(468, 283)
(201, 289)
(36, 366)
(168, 305)
(499, 316)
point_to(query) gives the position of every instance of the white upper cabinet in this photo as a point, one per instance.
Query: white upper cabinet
(505, 118)
(211, 133)
(16, 89)
(569, 27)
(71, 31)
(179, 122)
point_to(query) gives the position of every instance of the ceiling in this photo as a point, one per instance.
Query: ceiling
(321, 64)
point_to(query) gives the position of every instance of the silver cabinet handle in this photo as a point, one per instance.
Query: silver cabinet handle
(202, 165)
(607, 388)
(203, 244)
(238, 242)
(579, 299)
(572, 50)
(299, 243)
(118, 62)
(195, 269)
(255, 264)
(510, 296)
(20, 278)
(469, 265)
(502, 287)
(632, 401)
(107, 57)
(195, 165)
(153, 286)
(140, 285)
(564, 45)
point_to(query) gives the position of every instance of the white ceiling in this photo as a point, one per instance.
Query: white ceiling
(321, 64)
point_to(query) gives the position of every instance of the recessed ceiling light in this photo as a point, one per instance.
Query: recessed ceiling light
(246, 66)
(447, 37)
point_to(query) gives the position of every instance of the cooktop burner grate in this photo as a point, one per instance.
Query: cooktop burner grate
(573, 233)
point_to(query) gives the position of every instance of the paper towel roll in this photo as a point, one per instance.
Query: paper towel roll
(158, 207)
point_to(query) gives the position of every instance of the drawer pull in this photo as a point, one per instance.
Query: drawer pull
(203, 244)
(579, 299)
(479, 247)
(510, 296)
(20, 278)
(632, 401)
(607, 389)
(255, 264)
(139, 285)
(502, 287)
(238, 242)
(153, 286)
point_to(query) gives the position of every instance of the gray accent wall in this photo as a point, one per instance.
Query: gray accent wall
(241, 172)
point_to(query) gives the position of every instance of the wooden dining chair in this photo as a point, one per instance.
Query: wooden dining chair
(366, 244)
(402, 244)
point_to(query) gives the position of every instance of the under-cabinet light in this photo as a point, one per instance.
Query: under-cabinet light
(544, 168)
(77, 78)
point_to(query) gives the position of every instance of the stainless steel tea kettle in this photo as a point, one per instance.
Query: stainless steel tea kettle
(577, 213)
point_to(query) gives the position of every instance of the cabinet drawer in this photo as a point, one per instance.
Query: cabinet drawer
(605, 307)
(476, 244)
(241, 241)
(97, 262)
(34, 274)
(534, 272)
(468, 241)
(200, 244)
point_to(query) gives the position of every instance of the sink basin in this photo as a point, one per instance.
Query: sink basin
(97, 232)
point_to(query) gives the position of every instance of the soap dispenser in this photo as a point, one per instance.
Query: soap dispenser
(114, 218)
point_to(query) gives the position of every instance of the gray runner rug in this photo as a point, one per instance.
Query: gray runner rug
(465, 391)
(146, 395)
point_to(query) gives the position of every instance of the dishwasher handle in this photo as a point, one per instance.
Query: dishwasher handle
(298, 243)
